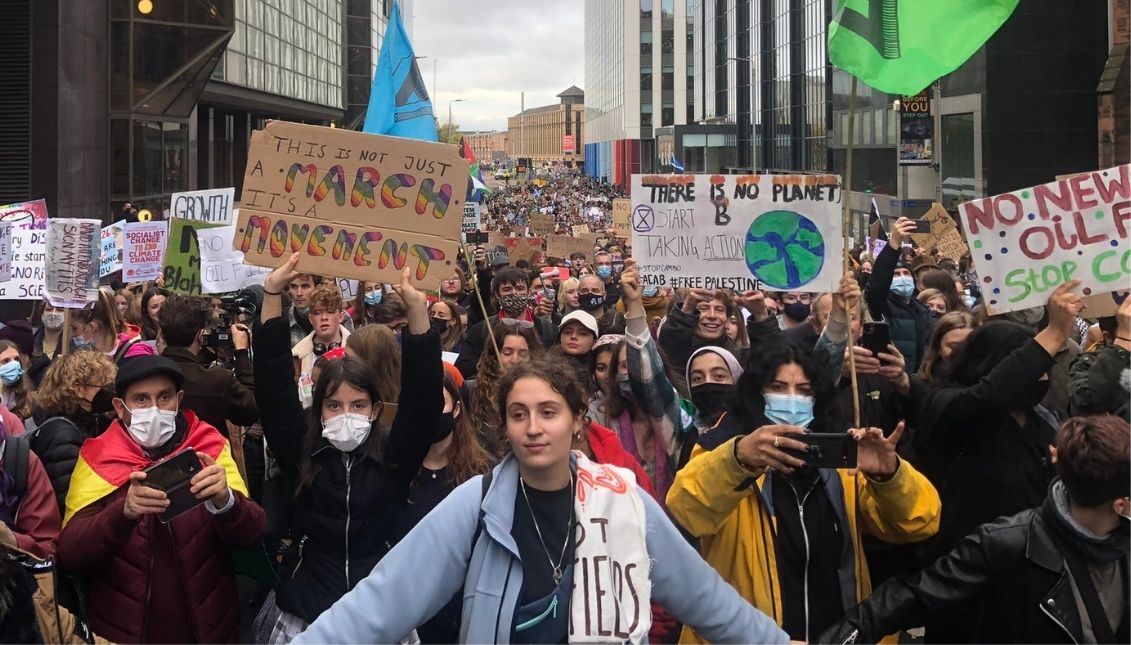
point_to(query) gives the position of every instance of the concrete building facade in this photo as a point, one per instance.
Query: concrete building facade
(550, 133)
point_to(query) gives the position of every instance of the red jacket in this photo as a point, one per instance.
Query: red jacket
(37, 521)
(155, 582)
(607, 449)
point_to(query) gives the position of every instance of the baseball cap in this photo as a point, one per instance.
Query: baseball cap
(584, 317)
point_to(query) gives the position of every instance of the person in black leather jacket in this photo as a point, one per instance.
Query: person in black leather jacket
(1023, 572)
(70, 408)
(351, 475)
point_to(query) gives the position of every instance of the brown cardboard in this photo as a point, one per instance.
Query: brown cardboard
(543, 224)
(404, 190)
(621, 210)
(342, 250)
(561, 246)
(579, 229)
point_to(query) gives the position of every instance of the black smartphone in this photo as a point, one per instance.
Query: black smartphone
(922, 226)
(876, 337)
(827, 450)
(173, 476)
(477, 237)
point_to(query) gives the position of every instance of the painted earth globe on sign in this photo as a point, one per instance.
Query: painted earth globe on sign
(784, 250)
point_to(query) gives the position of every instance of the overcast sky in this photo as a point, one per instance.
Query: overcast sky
(489, 52)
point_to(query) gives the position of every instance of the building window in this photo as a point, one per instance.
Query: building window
(667, 114)
(645, 8)
(957, 163)
(645, 78)
(667, 8)
(646, 43)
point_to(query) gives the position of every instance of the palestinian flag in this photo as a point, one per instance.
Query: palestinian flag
(476, 186)
(106, 461)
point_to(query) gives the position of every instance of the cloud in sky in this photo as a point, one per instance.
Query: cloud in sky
(487, 53)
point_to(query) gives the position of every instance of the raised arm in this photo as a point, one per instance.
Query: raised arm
(276, 397)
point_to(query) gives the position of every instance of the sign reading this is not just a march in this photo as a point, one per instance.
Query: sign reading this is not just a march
(355, 205)
(738, 232)
(1027, 242)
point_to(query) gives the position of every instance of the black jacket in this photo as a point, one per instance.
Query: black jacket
(909, 322)
(678, 339)
(215, 394)
(1010, 571)
(56, 441)
(344, 522)
(983, 464)
(476, 339)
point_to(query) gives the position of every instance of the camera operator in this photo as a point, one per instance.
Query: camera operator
(215, 394)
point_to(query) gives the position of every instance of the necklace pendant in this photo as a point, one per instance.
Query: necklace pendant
(557, 576)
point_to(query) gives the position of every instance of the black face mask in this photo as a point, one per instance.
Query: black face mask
(796, 311)
(444, 427)
(711, 398)
(103, 401)
(590, 301)
(441, 326)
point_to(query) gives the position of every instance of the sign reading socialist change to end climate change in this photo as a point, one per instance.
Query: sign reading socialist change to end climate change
(740, 232)
(1027, 242)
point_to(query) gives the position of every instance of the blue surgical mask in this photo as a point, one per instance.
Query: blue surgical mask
(11, 372)
(604, 272)
(373, 298)
(789, 409)
(650, 291)
(903, 286)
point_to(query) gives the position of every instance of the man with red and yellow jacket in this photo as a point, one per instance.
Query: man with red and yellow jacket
(151, 581)
(756, 524)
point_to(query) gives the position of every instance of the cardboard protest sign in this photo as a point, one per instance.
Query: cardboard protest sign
(1027, 242)
(28, 222)
(471, 212)
(621, 210)
(5, 251)
(562, 246)
(356, 205)
(110, 251)
(143, 251)
(71, 278)
(944, 236)
(210, 206)
(518, 248)
(182, 257)
(579, 229)
(222, 268)
(738, 231)
(1104, 304)
(543, 224)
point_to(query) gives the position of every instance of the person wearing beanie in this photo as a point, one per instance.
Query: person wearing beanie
(890, 295)
(20, 333)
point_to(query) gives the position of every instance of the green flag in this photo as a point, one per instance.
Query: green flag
(902, 46)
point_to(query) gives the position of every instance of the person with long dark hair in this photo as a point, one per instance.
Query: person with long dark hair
(351, 476)
(534, 547)
(787, 535)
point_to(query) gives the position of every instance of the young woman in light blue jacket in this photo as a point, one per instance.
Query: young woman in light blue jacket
(548, 548)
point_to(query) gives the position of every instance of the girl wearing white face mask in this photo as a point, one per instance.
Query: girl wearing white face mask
(351, 474)
(49, 338)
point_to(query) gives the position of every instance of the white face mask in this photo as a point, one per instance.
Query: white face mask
(151, 427)
(347, 431)
(53, 320)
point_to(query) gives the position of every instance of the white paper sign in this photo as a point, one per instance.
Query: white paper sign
(740, 232)
(471, 217)
(348, 287)
(143, 250)
(210, 206)
(222, 268)
(5, 251)
(110, 254)
(29, 246)
(72, 261)
(1027, 242)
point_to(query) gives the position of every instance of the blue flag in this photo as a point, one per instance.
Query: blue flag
(677, 165)
(399, 104)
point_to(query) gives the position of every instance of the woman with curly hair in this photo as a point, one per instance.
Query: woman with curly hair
(517, 344)
(70, 407)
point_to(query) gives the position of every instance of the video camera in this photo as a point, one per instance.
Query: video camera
(244, 302)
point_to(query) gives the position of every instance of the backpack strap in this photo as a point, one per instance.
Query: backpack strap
(125, 347)
(16, 450)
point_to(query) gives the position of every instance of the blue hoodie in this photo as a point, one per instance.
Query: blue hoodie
(418, 577)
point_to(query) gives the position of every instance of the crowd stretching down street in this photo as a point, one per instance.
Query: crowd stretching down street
(374, 389)
(411, 465)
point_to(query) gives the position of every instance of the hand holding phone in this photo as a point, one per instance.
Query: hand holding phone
(828, 450)
(142, 499)
(876, 337)
(171, 480)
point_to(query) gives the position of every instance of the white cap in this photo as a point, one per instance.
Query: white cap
(584, 317)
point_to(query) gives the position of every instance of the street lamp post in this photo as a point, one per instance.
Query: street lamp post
(450, 112)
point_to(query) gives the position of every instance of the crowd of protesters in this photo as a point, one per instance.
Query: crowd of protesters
(551, 450)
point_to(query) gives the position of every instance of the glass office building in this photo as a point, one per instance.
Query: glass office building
(117, 101)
